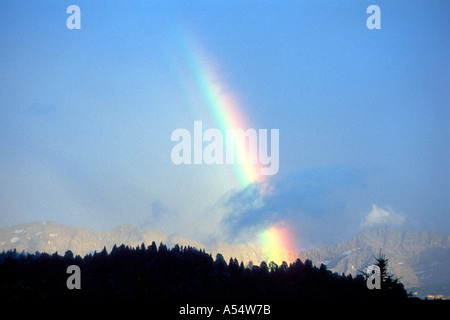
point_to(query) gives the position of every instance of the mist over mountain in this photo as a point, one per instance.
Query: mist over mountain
(50, 237)
(421, 259)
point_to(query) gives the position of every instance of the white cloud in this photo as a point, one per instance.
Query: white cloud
(383, 216)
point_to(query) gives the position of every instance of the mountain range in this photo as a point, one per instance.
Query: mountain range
(50, 237)
(420, 259)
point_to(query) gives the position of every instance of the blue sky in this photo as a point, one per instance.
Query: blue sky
(86, 115)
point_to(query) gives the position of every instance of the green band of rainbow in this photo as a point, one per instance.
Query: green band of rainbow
(222, 106)
(275, 240)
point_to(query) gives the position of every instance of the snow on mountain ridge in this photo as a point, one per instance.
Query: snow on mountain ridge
(420, 258)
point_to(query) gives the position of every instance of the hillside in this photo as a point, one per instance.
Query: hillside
(50, 237)
(179, 272)
(421, 259)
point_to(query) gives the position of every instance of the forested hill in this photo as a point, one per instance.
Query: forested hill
(179, 272)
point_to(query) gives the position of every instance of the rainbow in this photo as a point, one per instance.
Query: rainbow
(225, 111)
(276, 243)
(222, 106)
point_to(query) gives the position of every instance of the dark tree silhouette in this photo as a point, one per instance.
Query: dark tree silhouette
(178, 272)
(390, 284)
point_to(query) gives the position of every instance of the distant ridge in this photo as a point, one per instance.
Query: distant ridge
(154, 272)
(421, 259)
(50, 237)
